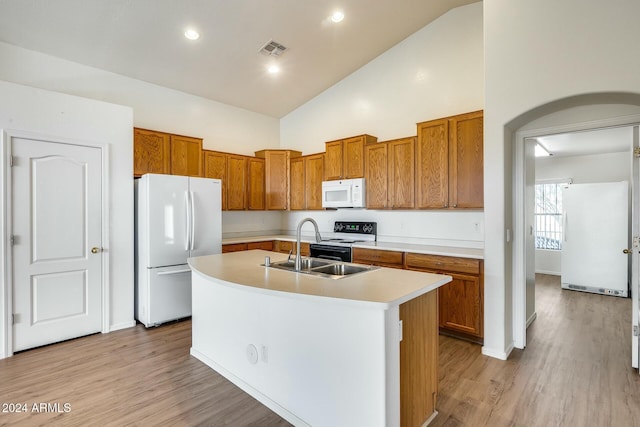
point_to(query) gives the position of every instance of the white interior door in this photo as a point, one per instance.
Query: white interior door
(57, 229)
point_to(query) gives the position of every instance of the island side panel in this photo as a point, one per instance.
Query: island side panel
(319, 362)
(419, 360)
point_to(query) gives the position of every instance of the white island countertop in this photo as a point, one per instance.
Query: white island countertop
(381, 287)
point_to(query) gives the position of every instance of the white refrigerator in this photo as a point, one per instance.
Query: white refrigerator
(595, 232)
(176, 217)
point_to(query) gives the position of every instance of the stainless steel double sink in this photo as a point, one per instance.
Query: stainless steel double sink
(323, 267)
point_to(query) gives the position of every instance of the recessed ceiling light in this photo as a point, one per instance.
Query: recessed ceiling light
(337, 16)
(192, 34)
(273, 69)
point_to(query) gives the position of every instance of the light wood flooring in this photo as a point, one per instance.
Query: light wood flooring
(576, 371)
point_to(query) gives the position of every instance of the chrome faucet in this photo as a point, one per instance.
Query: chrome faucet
(298, 262)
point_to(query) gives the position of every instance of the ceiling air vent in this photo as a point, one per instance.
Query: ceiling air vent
(273, 48)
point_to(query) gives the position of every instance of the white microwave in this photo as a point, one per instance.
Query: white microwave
(345, 193)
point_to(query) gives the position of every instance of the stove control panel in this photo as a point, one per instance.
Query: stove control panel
(370, 228)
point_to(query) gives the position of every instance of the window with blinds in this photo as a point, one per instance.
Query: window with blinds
(548, 215)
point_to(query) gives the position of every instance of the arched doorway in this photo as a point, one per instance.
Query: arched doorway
(573, 114)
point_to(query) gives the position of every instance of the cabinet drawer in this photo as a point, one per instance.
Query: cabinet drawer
(285, 246)
(267, 246)
(234, 247)
(443, 263)
(378, 257)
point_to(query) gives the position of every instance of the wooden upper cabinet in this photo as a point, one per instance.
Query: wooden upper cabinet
(401, 173)
(186, 155)
(215, 166)
(376, 175)
(432, 163)
(449, 162)
(307, 173)
(314, 172)
(236, 182)
(344, 159)
(466, 184)
(333, 161)
(297, 184)
(389, 174)
(277, 177)
(353, 157)
(256, 196)
(151, 152)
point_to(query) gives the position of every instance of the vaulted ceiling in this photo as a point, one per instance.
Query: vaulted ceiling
(144, 39)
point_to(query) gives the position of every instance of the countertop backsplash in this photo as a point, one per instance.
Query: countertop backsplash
(440, 228)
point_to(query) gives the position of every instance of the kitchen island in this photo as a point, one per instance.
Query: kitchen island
(359, 350)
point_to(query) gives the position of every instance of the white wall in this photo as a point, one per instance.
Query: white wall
(455, 228)
(611, 167)
(223, 127)
(436, 72)
(538, 52)
(69, 117)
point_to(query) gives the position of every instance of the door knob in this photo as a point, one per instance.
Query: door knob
(95, 250)
(627, 251)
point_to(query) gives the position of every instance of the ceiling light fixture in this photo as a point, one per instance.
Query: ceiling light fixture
(273, 69)
(192, 34)
(337, 16)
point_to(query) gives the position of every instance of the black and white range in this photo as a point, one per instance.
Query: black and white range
(346, 233)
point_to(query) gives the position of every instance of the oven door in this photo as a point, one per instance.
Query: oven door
(334, 253)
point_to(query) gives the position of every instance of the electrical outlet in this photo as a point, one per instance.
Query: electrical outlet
(476, 227)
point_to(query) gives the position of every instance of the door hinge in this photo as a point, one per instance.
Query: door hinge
(12, 240)
(636, 152)
(636, 241)
(636, 330)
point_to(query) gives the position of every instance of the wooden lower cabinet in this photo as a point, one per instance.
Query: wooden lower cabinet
(393, 259)
(266, 246)
(461, 305)
(284, 246)
(236, 247)
(461, 301)
(418, 359)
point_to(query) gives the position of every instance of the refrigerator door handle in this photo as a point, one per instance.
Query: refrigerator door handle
(187, 237)
(193, 221)
(564, 226)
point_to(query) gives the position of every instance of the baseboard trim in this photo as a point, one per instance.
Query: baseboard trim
(532, 318)
(502, 355)
(123, 325)
(430, 419)
(551, 273)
